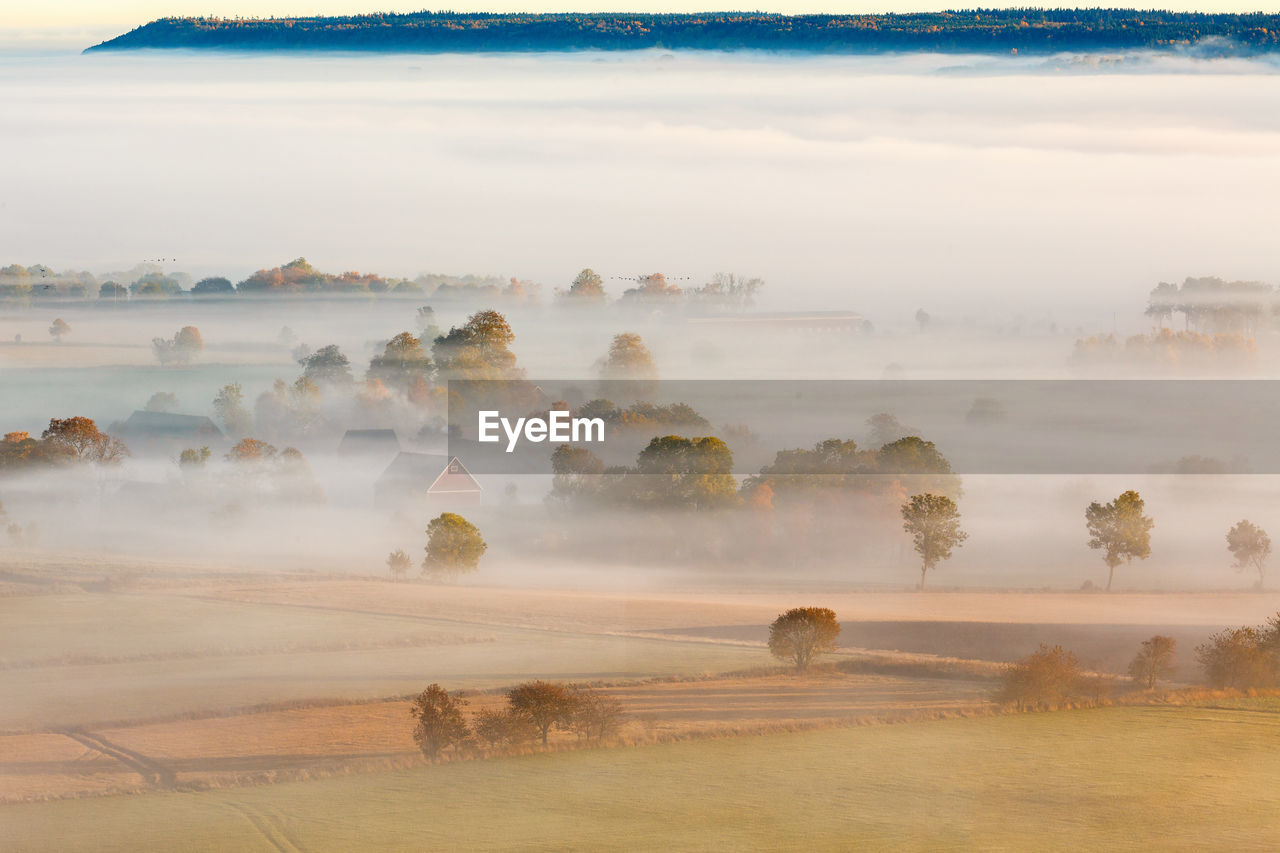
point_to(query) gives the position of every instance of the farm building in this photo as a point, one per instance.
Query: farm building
(369, 442)
(439, 482)
(164, 431)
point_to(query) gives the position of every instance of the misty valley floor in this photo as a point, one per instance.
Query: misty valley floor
(1189, 778)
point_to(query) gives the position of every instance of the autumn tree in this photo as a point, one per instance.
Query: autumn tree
(628, 370)
(1046, 678)
(398, 562)
(803, 633)
(59, 329)
(479, 349)
(1119, 530)
(440, 723)
(186, 344)
(934, 524)
(1242, 658)
(1154, 660)
(1251, 546)
(82, 439)
(403, 360)
(454, 546)
(229, 407)
(251, 450)
(587, 286)
(18, 450)
(502, 727)
(545, 704)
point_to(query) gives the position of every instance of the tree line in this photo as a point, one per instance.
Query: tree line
(979, 30)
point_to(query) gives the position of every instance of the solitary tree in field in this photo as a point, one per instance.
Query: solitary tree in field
(59, 329)
(934, 524)
(803, 633)
(454, 546)
(1154, 660)
(1119, 530)
(544, 704)
(398, 562)
(1251, 546)
(440, 721)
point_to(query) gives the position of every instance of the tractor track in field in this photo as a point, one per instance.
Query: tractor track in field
(271, 828)
(152, 772)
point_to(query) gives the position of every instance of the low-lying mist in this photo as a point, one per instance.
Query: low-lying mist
(970, 185)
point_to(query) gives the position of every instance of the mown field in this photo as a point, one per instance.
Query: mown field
(88, 659)
(1166, 778)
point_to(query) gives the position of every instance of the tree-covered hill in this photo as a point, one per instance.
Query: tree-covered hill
(981, 30)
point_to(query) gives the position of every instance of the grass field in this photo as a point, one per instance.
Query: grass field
(1189, 778)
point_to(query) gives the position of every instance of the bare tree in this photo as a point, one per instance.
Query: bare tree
(1154, 660)
(398, 562)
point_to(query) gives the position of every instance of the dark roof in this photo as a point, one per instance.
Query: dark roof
(369, 441)
(430, 472)
(170, 424)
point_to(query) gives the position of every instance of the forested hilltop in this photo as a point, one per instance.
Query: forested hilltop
(981, 30)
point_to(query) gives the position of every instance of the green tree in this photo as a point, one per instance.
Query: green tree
(327, 366)
(229, 407)
(1119, 530)
(675, 471)
(162, 401)
(934, 524)
(1251, 546)
(803, 633)
(193, 458)
(545, 704)
(1154, 660)
(454, 546)
(440, 723)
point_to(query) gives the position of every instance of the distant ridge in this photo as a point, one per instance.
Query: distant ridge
(996, 31)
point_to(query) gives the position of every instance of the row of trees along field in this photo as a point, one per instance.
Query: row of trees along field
(39, 283)
(1049, 678)
(533, 709)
